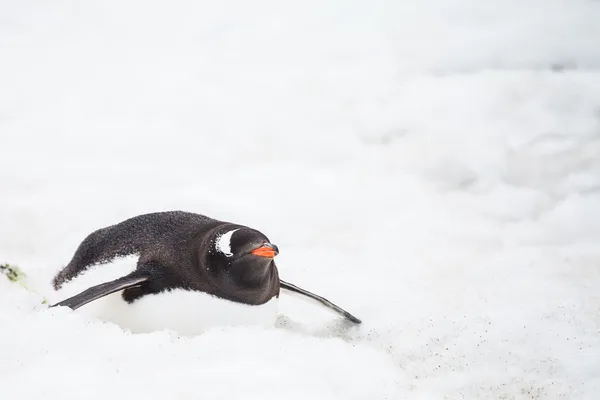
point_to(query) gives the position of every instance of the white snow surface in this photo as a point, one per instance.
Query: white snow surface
(431, 166)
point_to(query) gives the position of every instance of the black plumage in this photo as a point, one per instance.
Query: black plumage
(178, 249)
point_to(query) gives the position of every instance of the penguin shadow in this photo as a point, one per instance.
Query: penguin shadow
(336, 329)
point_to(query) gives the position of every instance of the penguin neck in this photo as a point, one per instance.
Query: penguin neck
(200, 256)
(262, 286)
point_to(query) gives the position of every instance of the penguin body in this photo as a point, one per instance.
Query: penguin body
(186, 312)
(191, 272)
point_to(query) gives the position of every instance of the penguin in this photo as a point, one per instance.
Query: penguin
(232, 266)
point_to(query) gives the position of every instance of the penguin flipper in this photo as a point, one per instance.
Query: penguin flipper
(322, 300)
(103, 289)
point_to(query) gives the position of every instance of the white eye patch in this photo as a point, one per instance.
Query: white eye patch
(223, 243)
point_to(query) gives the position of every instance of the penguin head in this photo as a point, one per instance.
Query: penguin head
(244, 255)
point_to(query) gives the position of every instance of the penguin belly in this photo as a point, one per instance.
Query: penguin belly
(182, 311)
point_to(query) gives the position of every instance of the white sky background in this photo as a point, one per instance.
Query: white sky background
(432, 166)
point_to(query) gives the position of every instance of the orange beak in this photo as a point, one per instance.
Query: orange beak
(268, 251)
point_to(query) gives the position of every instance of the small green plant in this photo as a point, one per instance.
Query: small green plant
(12, 272)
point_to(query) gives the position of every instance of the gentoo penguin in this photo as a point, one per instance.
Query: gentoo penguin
(231, 265)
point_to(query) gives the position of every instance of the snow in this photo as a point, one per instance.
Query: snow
(431, 166)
